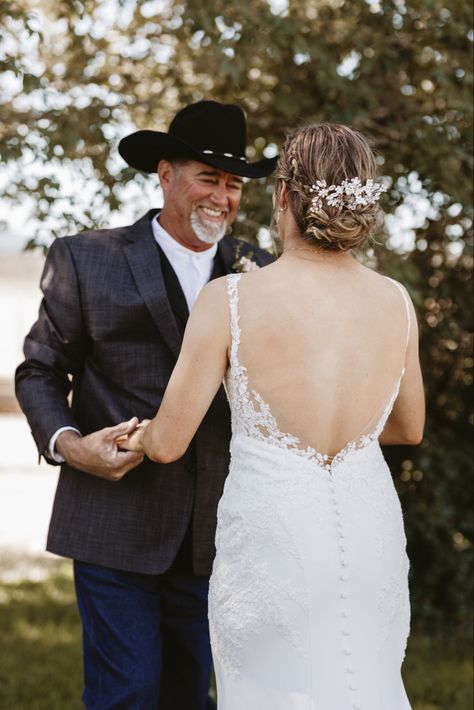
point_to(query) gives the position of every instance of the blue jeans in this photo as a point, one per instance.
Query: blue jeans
(145, 639)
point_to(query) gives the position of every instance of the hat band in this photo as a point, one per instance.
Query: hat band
(224, 155)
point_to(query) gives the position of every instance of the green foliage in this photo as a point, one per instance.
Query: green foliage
(85, 73)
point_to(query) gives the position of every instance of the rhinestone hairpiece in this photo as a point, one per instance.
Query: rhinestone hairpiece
(349, 193)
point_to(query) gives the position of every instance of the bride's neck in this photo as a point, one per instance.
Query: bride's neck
(297, 248)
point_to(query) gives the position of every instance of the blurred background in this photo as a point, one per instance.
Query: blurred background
(76, 76)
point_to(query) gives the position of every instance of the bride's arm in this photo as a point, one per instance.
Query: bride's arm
(195, 380)
(407, 419)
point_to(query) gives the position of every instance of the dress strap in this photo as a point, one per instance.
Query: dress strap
(389, 406)
(407, 307)
(233, 296)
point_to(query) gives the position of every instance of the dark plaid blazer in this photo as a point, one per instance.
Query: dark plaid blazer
(110, 329)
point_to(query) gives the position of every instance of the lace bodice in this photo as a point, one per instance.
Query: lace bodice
(253, 417)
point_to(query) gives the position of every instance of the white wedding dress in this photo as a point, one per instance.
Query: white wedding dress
(308, 603)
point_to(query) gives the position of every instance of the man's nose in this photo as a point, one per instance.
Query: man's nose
(220, 195)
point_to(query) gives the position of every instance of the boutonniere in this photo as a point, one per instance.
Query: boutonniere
(243, 264)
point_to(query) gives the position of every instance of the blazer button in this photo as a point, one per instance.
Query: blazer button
(190, 468)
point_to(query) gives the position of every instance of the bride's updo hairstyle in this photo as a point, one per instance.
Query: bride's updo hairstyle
(332, 153)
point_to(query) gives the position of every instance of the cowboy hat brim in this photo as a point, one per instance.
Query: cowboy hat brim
(143, 150)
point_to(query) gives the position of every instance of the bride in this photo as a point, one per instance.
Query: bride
(308, 605)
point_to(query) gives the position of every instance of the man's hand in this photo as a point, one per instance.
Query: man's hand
(99, 453)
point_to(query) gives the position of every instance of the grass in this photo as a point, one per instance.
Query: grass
(40, 646)
(40, 652)
(438, 673)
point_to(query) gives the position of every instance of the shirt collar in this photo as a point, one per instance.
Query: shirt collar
(171, 246)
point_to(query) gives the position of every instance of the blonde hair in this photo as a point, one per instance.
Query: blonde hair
(330, 152)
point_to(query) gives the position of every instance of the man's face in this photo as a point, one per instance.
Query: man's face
(200, 201)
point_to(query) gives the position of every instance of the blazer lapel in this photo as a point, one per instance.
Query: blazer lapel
(145, 264)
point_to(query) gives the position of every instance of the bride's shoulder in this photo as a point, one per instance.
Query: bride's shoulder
(386, 289)
(210, 312)
(379, 280)
(215, 289)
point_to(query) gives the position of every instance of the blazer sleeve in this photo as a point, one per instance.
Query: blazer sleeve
(54, 349)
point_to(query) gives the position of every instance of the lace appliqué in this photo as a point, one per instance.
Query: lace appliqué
(248, 594)
(394, 607)
(249, 598)
(253, 416)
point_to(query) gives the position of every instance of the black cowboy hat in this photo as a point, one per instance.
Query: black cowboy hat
(207, 131)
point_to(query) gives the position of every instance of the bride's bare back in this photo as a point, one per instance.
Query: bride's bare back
(324, 345)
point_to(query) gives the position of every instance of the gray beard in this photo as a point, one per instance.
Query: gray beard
(209, 233)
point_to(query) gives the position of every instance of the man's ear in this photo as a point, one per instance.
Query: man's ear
(165, 170)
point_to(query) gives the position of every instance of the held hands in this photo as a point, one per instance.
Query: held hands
(100, 453)
(133, 441)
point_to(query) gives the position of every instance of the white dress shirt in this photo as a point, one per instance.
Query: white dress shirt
(193, 269)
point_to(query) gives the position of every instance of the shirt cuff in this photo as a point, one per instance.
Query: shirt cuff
(52, 453)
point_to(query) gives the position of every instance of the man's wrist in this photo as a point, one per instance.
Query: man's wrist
(67, 444)
(52, 452)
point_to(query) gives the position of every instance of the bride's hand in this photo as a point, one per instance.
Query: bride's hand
(133, 441)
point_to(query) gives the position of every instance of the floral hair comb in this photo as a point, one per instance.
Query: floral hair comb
(349, 193)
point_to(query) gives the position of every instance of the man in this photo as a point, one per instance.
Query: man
(113, 315)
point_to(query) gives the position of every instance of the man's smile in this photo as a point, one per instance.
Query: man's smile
(213, 214)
